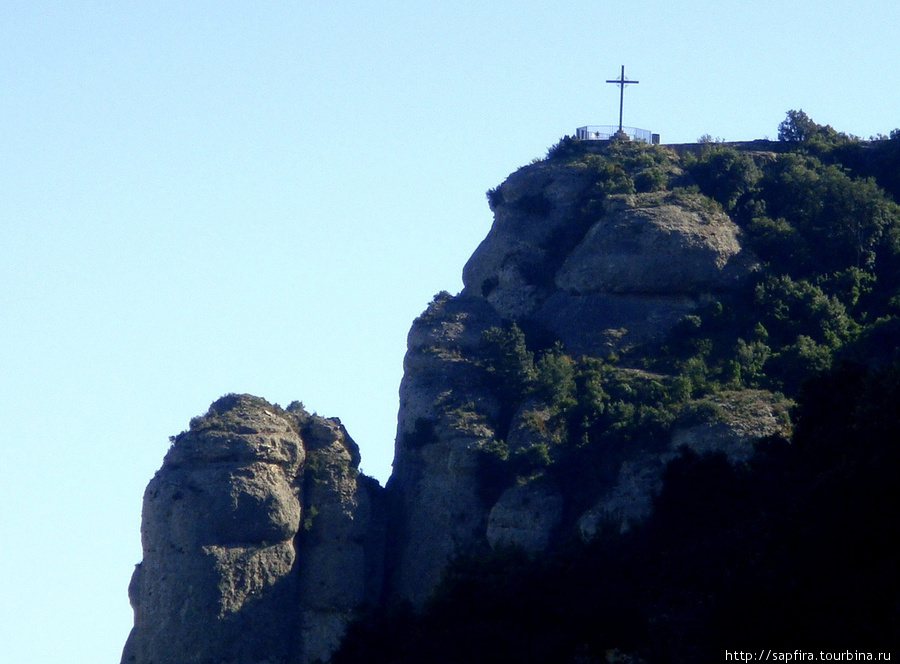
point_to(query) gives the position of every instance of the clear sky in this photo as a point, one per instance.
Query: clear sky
(199, 198)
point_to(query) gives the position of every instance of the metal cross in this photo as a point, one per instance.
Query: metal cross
(621, 82)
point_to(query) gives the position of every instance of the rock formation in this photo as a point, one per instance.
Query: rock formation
(446, 416)
(597, 278)
(603, 278)
(261, 539)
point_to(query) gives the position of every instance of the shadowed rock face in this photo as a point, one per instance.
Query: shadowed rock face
(525, 517)
(446, 416)
(342, 539)
(234, 527)
(729, 422)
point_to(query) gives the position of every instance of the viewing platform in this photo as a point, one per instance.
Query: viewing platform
(607, 132)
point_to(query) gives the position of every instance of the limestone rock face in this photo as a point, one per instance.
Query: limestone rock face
(597, 277)
(647, 244)
(232, 533)
(601, 277)
(596, 323)
(537, 221)
(525, 517)
(342, 548)
(446, 411)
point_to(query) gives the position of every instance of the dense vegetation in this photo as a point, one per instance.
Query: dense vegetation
(792, 547)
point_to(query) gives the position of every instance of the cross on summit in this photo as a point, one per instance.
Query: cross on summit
(608, 132)
(621, 82)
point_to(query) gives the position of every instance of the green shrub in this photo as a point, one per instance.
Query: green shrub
(700, 411)
(726, 175)
(650, 179)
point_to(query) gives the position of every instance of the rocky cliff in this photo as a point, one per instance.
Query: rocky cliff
(261, 540)
(597, 272)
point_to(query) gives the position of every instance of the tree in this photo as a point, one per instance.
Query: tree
(726, 175)
(797, 127)
(841, 219)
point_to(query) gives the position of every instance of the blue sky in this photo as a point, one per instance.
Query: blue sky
(199, 198)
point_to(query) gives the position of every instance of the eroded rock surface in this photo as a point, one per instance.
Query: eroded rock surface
(446, 417)
(525, 517)
(654, 244)
(342, 547)
(604, 276)
(234, 528)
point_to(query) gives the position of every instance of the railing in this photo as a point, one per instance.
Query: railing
(606, 132)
